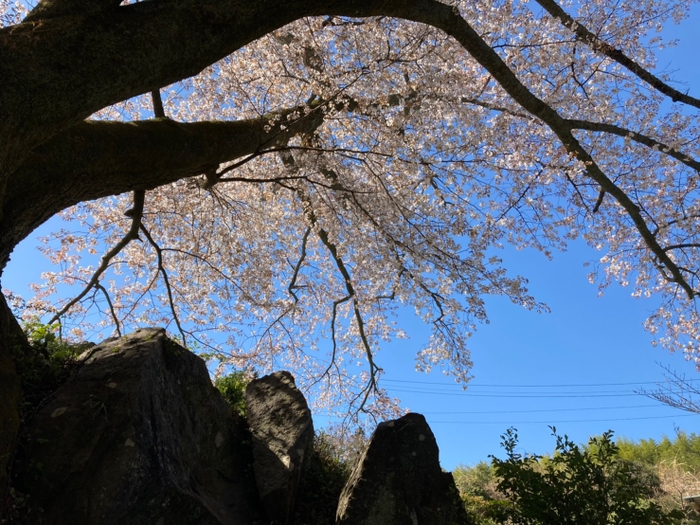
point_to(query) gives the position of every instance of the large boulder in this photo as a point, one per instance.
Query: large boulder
(398, 480)
(282, 429)
(138, 435)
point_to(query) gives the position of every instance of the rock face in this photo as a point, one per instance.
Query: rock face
(280, 422)
(138, 435)
(398, 480)
(10, 335)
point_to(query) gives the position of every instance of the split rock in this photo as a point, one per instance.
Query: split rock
(398, 480)
(282, 429)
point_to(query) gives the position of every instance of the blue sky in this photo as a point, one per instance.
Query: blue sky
(576, 368)
(530, 369)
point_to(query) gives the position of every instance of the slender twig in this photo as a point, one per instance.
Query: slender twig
(681, 246)
(297, 267)
(602, 127)
(636, 137)
(334, 340)
(166, 281)
(677, 392)
(112, 312)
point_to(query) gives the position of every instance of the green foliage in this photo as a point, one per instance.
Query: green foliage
(684, 449)
(326, 473)
(479, 480)
(477, 490)
(45, 365)
(232, 387)
(484, 511)
(578, 486)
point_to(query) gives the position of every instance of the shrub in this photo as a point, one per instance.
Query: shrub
(477, 490)
(232, 387)
(589, 486)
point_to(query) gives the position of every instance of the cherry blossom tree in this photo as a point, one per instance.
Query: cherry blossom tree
(273, 180)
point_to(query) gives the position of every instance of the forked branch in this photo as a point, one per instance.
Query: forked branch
(166, 281)
(136, 214)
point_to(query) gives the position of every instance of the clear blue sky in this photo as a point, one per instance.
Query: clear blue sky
(529, 368)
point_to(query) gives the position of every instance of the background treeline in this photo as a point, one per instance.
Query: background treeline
(604, 482)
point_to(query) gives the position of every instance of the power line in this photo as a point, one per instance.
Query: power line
(501, 385)
(628, 407)
(558, 421)
(548, 422)
(516, 394)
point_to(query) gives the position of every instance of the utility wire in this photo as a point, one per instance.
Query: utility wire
(553, 421)
(501, 385)
(541, 410)
(516, 394)
(557, 421)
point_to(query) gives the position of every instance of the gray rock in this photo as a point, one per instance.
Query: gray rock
(398, 480)
(138, 435)
(282, 429)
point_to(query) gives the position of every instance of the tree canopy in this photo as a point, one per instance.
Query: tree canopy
(290, 173)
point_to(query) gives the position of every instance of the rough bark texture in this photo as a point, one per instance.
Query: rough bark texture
(398, 480)
(282, 429)
(138, 435)
(63, 63)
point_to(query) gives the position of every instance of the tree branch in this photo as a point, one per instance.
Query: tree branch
(618, 56)
(112, 312)
(54, 8)
(677, 392)
(98, 158)
(636, 137)
(297, 267)
(122, 52)
(445, 18)
(166, 281)
(136, 214)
